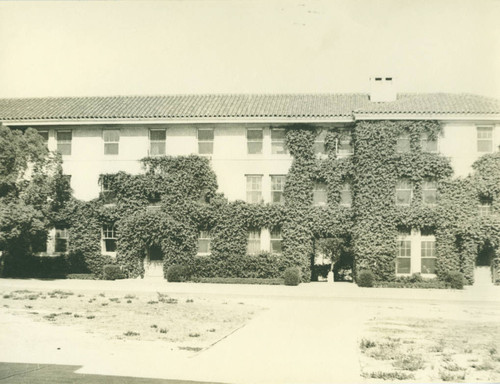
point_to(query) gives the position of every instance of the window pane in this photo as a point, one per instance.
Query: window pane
(205, 134)
(110, 245)
(64, 149)
(277, 198)
(428, 145)
(205, 148)
(429, 197)
(254, 147)
(346, 198)
(254, 189)
(403, 265)
(157, 135)
(320, 196)
(255, 134)
(157, 148)
(428, 265)
(111, 148)
(403, 197)
(278, 134)
(319, 147)
(278, 148)
(111, 136)
(403, 143)
(63, 136)
(276, 241)
(61, 245)
(344, 147)
(45, 135)
(254, 197)
(253, 242)
(484, 145)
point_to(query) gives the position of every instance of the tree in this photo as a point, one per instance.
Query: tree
(32, 189)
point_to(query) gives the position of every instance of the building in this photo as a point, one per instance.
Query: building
(243, 136)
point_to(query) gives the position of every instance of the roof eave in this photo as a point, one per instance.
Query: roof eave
(428, 116)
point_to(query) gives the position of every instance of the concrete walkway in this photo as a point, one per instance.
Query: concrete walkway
(309, 334)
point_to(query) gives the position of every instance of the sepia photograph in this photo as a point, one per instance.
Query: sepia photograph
(249, 191)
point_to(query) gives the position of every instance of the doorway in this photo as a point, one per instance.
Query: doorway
(153, 262)
(482, 272)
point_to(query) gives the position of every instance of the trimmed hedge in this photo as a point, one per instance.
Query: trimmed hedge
(81, 276)
(292, 276)
(238, 280)
(112, 272)
(177, 273)
(365, 279)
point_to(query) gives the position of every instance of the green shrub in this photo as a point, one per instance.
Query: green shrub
(365, 279)
(81, 276)
(292, 276)
(112, 272)
(177, 273)
(495, 270)
(237, 280)
(455, 280)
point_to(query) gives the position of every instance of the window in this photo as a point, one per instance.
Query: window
(277, 188)
(485, 139)
(429, 192)
(111, 141)
(253, 242)
(45, 136)
(61, 239)
(64, 142)
(278, 141)
(403, 259)
(428, 254)
(107, 194)
(403, 143)
(276, 241)
(320, 197)
(344, 147)
(205, 141)
(404, 192)
(204, 243)
(157, 139)
(109, 235)
(346, 194)
(485, 206)
(319, 143)
(255, 137)
(428, 144)
(154, 202)
(254, 189)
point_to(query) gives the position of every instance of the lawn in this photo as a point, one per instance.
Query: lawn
(454, 344)
(188, 323)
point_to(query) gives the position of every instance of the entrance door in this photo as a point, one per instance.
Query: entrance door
(153, 263)
(482, 273)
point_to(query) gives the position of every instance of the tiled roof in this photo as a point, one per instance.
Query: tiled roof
(315, 106)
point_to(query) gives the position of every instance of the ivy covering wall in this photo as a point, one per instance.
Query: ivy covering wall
(176, 198)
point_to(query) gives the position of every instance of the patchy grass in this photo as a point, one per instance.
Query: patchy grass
(189, 322)
(431, 346)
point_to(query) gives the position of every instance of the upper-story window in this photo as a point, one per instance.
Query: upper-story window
(109, 238)
(404, 192)
(111, 141)
(319, 143)
(278, 141)
(346, 194)
(428, 144)
(277, 189)
(255, 138)
(205, 141)
(429, 192)
(62, 238)
(344, 146)
(403, 143)
(157, 138)
(204, 240)
(485, 139)
(276, 240)
(107, 193)
(403, 258)
(64, 142)
(485, 206)
(253, 247)
(254, 189)
(320, 196)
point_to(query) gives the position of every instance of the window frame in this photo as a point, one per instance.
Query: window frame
(163, 142)
(251, 141)
(275, 239)
(274, 182)
(68, 143)
(205, 141)
(424, 143)
(319, 145)
(253, 191)
(406, 238)
(399, 189)
(425, 188)
(344, 137)
(346, 188)
(57, 236)
(320, 195)
(489, 139)
(109, 232)
(281, 141)
(254, 243)
(109, 143)
(206, 236)
(403, 137)
(430, 240)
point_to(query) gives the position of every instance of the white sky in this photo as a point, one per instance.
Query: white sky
(81, 48)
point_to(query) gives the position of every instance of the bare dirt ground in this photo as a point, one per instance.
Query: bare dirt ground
(432, 343)
(187, 322)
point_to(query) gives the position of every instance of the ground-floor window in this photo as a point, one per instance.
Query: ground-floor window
(253, 246)
(204, 240)
(109, 237)
(276, 241)
(416, 252)
(62, 237)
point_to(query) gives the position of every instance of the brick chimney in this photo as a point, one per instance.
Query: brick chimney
(382, 89)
